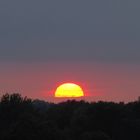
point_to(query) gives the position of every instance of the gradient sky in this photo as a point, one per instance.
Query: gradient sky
(95, 43)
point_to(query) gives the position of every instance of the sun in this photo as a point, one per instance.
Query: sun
(69, 90)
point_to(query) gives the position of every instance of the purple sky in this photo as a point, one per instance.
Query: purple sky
(94, 43)
(117, 82)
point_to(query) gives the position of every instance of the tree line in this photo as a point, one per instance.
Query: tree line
(22, 118)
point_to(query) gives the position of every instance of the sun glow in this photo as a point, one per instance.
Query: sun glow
(69, 90)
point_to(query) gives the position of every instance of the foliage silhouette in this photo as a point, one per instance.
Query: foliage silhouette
(24, 119)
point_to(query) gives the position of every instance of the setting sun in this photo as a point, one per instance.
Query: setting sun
(69, 90)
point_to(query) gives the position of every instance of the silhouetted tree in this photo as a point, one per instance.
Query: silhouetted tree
(25, 119)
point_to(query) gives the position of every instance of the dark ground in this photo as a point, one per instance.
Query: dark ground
(26, 119)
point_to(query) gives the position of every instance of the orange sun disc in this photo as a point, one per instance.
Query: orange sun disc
(69, 90)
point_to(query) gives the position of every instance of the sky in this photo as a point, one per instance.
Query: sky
(93, 43)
